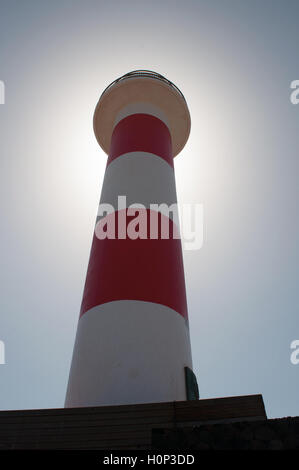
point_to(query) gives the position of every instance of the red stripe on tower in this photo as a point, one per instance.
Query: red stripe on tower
(141, 132)
(146, 269)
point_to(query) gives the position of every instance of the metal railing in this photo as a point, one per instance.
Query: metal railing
(145, 74)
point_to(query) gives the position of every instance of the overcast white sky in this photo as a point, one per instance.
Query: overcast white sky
(234, 61)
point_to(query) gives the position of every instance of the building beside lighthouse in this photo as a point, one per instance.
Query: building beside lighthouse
(132, 343)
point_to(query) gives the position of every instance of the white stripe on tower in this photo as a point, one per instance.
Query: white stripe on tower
(129, 351)
(133, 175)
(132, 341)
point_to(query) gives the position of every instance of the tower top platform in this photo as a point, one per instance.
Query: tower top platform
(137, 88)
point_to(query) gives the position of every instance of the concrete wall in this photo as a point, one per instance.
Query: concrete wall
(272, 434)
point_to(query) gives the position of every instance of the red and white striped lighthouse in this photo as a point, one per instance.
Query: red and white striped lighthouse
(132, 343)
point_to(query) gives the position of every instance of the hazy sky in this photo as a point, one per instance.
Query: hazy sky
(234, 61)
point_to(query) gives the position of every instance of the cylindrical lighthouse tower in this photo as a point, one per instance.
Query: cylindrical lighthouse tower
(132, 343)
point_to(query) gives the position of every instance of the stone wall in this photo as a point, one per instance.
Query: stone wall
(272, 434)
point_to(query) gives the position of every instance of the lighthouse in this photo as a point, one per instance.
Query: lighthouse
(132, 343)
